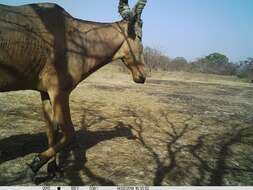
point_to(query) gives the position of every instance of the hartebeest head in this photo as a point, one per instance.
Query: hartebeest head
(131, 51)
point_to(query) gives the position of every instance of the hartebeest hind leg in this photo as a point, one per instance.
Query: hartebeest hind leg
(61, 118)
(52, 132)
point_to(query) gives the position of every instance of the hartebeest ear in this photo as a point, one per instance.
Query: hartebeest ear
(132, 16)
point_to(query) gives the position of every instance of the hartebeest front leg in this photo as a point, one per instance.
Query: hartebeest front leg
(52, 132)
(61, 118)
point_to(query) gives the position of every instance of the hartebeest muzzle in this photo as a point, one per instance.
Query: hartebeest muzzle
(132, 49)
(140, 80)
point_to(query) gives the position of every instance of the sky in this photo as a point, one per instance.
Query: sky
(179, 28)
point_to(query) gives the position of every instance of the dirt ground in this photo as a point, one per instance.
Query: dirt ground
(177, 129)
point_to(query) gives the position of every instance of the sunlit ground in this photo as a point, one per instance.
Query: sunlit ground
(177, 129)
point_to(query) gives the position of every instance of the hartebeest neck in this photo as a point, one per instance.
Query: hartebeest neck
(97, 43)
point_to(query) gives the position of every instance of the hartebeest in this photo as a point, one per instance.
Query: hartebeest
(44, 48)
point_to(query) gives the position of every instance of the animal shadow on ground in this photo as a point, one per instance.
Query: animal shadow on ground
(188, 156)
(84, 141)
(21, 145)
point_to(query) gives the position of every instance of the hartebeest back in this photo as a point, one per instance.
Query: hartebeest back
(44, 48)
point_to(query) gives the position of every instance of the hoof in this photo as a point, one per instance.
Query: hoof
(29, 173)
(53, 170)
(34, 167)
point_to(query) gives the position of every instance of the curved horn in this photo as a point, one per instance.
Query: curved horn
(139, 7)
(124, 9)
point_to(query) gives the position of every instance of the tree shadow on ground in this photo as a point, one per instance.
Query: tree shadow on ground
(231, 158)
(85, 140)
(213, 156)
(188, 156)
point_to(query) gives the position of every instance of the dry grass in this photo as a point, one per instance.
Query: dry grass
(177, 129)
